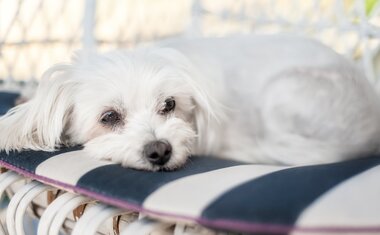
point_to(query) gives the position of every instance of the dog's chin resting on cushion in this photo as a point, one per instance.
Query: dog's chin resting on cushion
(261, 99)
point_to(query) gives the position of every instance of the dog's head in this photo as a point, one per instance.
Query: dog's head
(146, 109)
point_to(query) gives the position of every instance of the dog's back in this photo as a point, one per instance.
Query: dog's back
(293, 100)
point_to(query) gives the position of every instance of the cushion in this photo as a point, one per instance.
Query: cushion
(7, 100)
(223, 194)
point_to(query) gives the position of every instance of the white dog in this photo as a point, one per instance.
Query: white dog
(260, 99)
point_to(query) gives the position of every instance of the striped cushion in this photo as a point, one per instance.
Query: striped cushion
(222, 194)
(7, 100)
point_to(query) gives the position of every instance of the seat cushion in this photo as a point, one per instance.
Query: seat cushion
(7, 100)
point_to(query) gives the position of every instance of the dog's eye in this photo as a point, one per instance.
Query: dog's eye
(110, 117)
(169, 105)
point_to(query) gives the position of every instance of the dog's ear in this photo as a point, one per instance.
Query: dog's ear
(39, 123)
(207, 95)
(209, 116)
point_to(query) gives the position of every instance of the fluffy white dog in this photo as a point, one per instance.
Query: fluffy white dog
(260, 99)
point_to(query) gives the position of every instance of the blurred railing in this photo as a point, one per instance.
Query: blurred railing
(34, 34)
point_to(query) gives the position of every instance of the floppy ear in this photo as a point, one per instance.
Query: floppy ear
(207, 94)
(39, 123)
(209, 116)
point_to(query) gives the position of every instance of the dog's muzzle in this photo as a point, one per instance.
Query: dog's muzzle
(158, 152)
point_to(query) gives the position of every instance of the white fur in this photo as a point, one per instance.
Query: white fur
(261, 99)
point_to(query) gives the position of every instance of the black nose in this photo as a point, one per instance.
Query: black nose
(158, 152)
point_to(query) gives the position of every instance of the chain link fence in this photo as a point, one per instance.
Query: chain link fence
(34, 34)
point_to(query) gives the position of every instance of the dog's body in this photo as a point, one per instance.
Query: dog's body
(260, 99)
(291, 100)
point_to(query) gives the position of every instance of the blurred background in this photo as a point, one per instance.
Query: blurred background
(34, 34)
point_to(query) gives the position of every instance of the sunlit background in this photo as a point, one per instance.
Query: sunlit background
(34, 34)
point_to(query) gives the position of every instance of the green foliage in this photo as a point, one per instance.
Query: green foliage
(370, 5)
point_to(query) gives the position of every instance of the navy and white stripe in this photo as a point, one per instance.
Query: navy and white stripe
(222, 194)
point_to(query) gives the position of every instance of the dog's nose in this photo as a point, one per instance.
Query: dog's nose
(158, 152)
